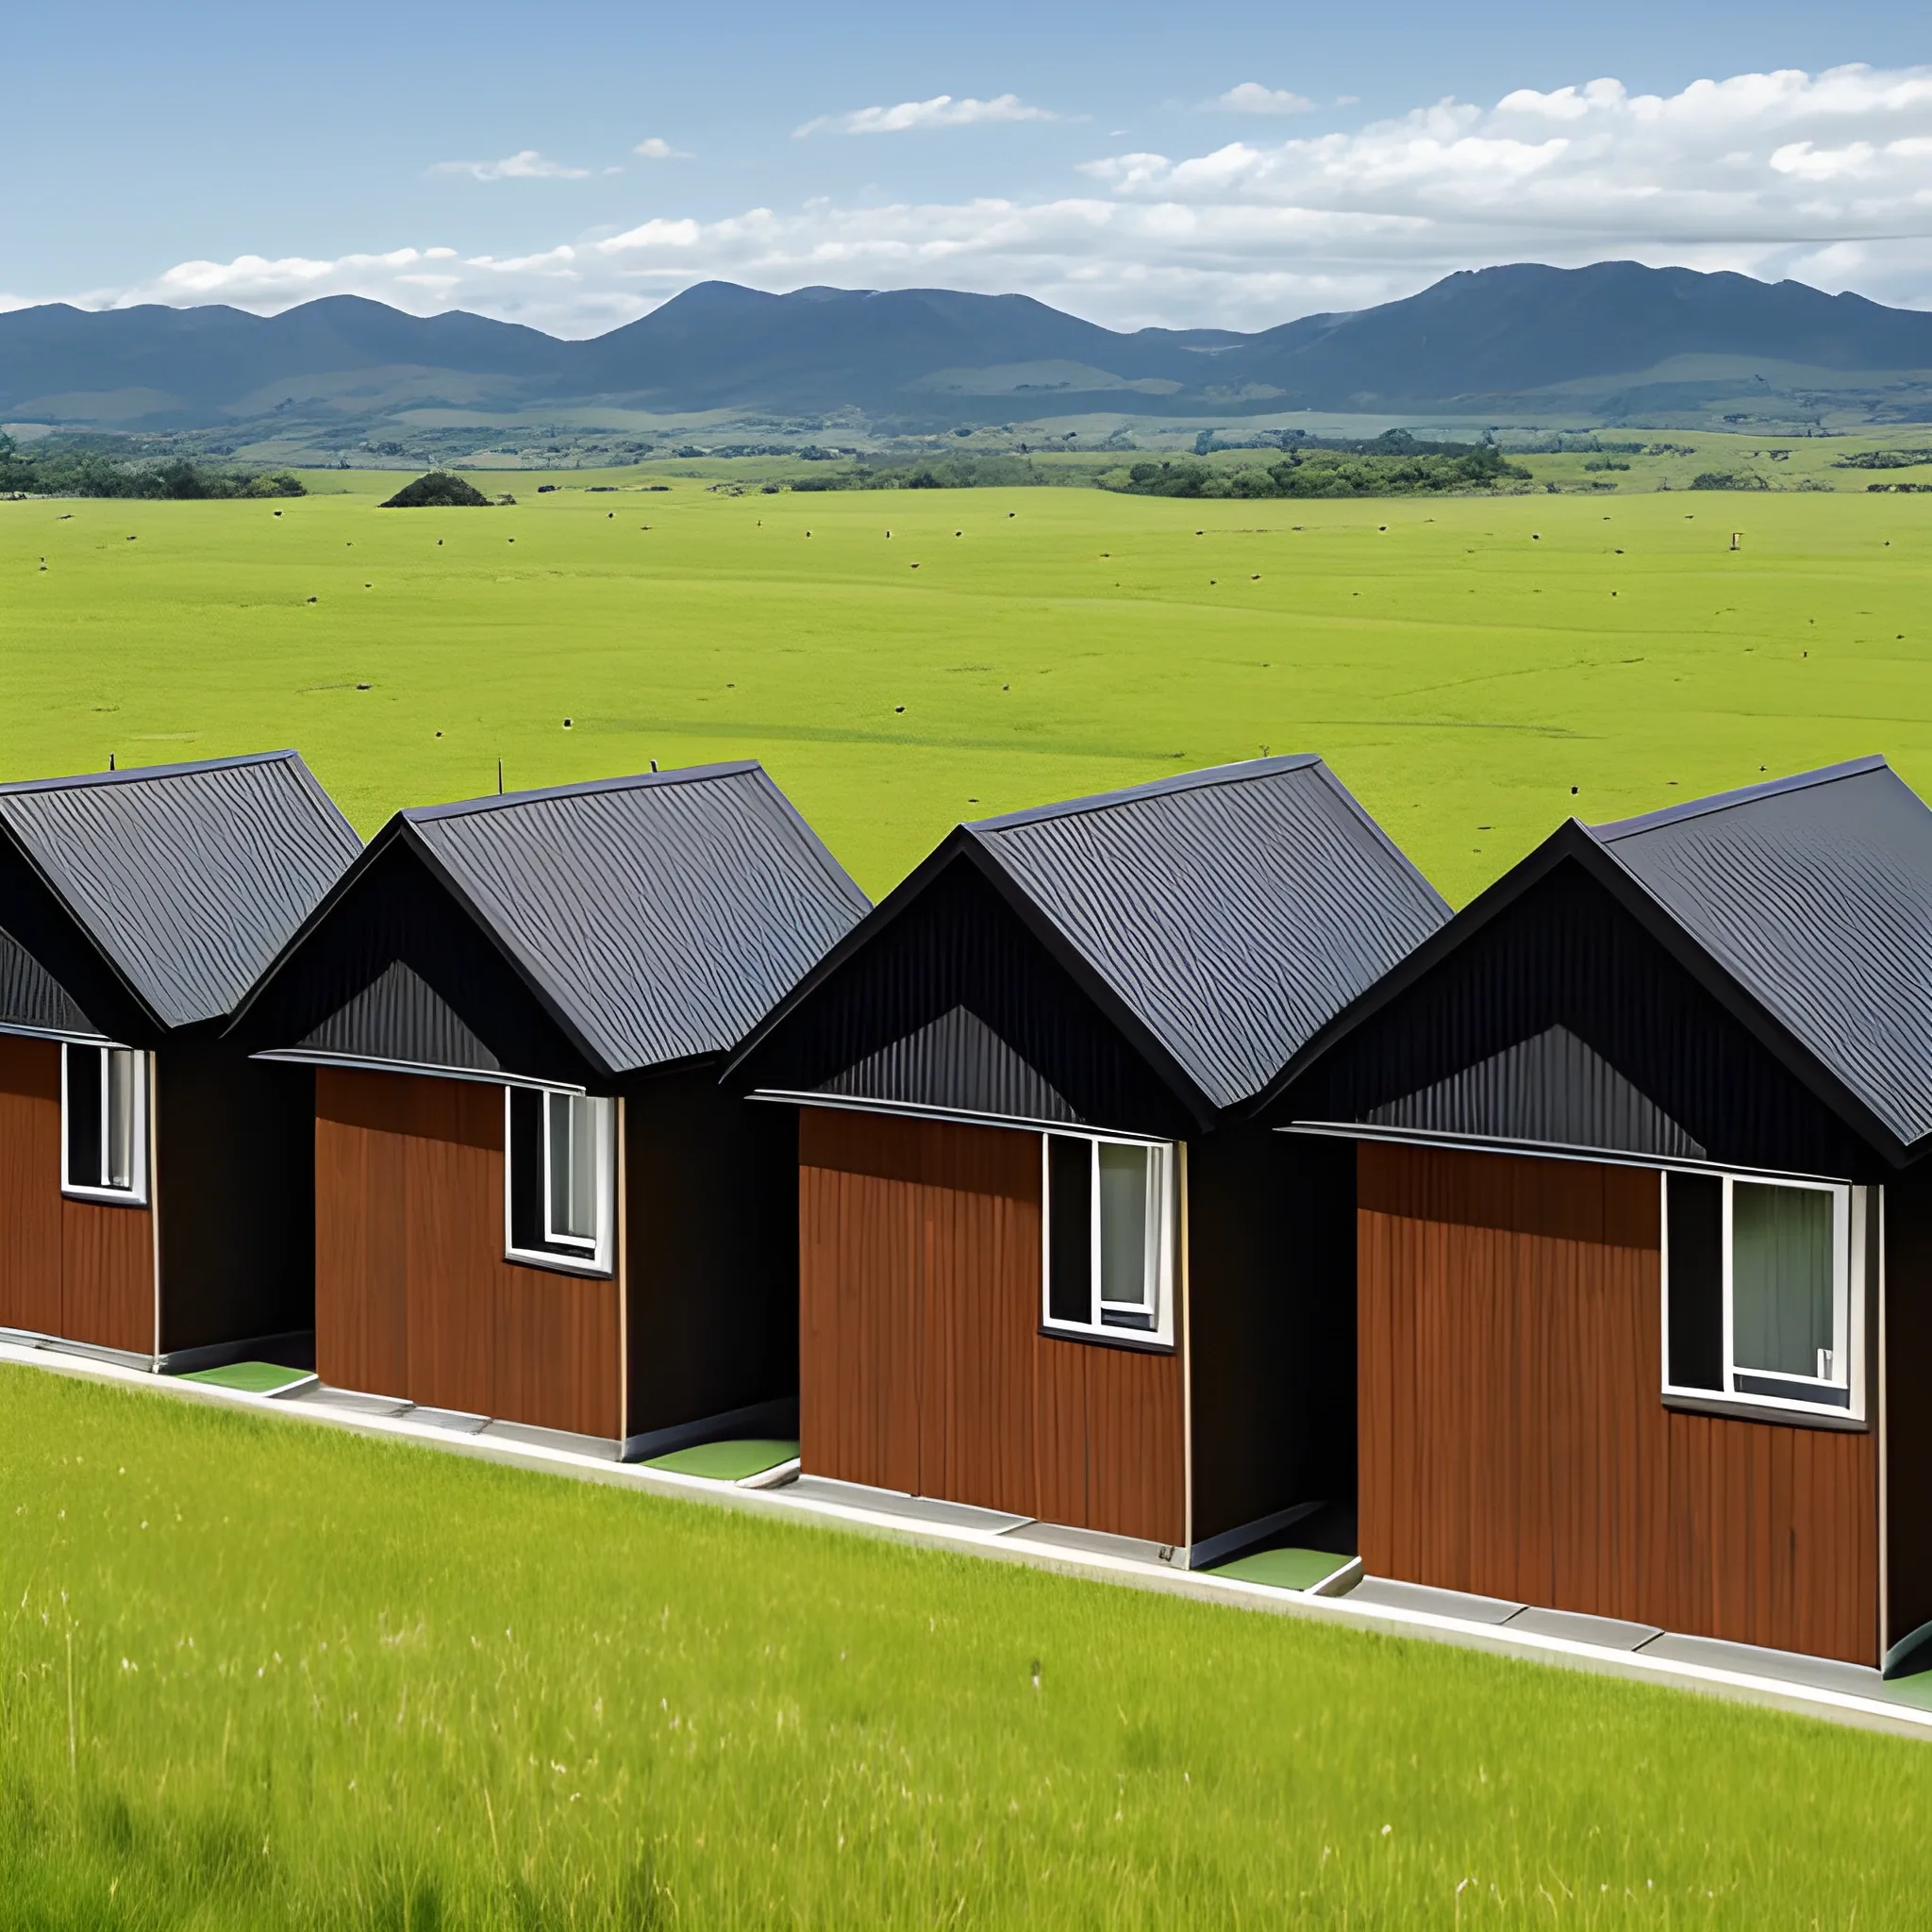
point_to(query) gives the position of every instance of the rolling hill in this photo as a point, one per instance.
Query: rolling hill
(1518, 344)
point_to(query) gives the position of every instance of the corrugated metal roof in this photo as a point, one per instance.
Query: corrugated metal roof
(1815, 893)
(187, 878)
(662, 915)
(1232, 911)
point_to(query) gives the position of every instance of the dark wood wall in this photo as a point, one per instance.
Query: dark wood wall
(413, 1294)
(81, 1270)
(1271, 1323)
(713, 1283)
(1513, 1442)
(922, 1367)
(1908, 1418)
(236, 1202)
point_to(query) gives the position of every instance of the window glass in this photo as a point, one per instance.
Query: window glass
(573, 1169)
(1125, 1185)
(103, 1092)
(1782, 1279)
(1111, 1228)
(1763, 1291)
(119, 1100)
(1694, 1227)
(1070, 1231)
(559, 1180)
(82, 1092)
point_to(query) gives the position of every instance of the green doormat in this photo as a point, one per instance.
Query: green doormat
(726, 1462)
(1284, 1569)
(256, 1378)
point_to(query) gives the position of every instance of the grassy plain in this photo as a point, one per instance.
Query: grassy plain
(1462, 664)
(257, 1675)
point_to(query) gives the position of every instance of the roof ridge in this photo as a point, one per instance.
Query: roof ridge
(496, 801)
(1613, 830)
(135, 774)
(1237, 773)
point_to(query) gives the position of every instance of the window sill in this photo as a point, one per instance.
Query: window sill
(1730, 1409)
(1108, 1337)
(560, 1264)
(105, 1197)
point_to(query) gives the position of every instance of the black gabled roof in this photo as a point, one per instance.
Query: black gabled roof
(656, 918)
(1814, 893)
(1801, 905)
(1219, 918)
(186, 880)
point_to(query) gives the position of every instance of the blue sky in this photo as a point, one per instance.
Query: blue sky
(570, 165)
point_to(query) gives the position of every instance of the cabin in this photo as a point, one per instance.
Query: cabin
(153, 1181)
(535, 1210)
(1643, 1289)
(1043, 1268)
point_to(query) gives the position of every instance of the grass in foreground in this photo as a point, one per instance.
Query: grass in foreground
(258, 1674)
(1476, 669)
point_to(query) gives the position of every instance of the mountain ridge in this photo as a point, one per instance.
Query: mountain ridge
(1476, 341)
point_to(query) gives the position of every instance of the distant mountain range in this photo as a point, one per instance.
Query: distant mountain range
(1514, 344)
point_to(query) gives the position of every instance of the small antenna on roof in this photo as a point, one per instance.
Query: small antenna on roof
(653, 764)
(499, 778)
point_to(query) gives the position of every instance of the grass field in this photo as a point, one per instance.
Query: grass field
(1465, 664)
(253, 1675)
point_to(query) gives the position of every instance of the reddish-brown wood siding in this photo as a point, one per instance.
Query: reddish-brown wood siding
(81, 1270)
(921, 1363)
(413, 1294)
(1513, 1442)
(30, 1184)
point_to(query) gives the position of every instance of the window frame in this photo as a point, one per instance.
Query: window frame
(135, 1195)
(1851, 1221)
(1159, 1331)
(566, 1253)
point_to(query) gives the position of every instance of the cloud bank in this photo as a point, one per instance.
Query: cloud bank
(1824, 177)
(942, 110)
(1251, 97)
(527, 164)
(655, 148)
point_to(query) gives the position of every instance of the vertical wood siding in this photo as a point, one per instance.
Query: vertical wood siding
(413, 1294)
(922, 1367)
(1513, 1442)
(82, 1270)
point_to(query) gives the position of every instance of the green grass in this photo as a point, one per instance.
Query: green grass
(1463, 664)
(254, 1378)
(1286, 1569)
(727, 1462)
(254, 1673)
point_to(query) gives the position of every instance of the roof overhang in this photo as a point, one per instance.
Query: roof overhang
(853, 1103)
(1445, 1142)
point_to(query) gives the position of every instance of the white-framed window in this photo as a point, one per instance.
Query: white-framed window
(103, 1123)
(559, 1178)
(1764, 1292)
(1109, 1227)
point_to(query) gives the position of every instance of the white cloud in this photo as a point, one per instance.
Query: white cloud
(1251, 97)
(942, 110)
(527, 164)
(1826, 179)
(656, 149)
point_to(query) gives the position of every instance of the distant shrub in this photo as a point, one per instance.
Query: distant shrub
(1326, 472)
(439, 490)
(64, 471)
(1728, 480)
(1883, 459)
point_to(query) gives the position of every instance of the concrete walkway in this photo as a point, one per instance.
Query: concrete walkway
(1814, 1687)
